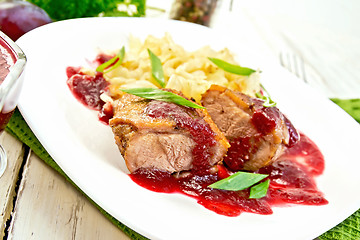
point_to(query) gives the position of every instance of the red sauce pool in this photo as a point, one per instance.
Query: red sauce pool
(292, 181)
(292, 177)
(87, 89)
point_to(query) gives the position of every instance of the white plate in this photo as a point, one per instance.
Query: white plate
(85, 149)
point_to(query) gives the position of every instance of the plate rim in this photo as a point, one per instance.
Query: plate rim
(25, 112)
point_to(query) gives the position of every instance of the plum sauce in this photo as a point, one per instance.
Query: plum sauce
(290, 183)
(87, 89)
(292, 176)
(185, 118)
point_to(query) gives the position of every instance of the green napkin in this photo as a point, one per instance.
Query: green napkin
(350, 228)
(351, 106)
(347, 230)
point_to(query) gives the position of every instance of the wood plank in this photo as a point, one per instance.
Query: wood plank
(15, 152)
(49, 207)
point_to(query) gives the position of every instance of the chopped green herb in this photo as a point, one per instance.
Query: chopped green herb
(161, 95)
(121, 55)
(157, 69)
(117, 60)
(231, 68)
(259, 190)
(236, 69)
(268, 101)
(238, 181)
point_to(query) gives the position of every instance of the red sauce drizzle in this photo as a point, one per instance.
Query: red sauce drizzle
(87, 89)
(292, 181)
(237, 154)
(265, 120)
(292, 177)
(186, 118)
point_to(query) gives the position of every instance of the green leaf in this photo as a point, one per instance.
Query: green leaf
(268, 101)
(231, 68)
(106, 64)
(351, 106)
(118, 59)
(259, 190)
(157, 69)
(121, 56)
(161, 95)
(238, 181)
(236, 69)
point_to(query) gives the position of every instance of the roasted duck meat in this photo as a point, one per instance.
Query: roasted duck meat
(257, 134)
(165, 136)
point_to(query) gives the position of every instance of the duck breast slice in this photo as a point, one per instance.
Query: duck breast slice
(165, 136)
(257, 134)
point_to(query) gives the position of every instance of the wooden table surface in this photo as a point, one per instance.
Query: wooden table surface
(38, 203)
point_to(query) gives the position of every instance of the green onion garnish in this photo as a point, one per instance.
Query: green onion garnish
(236, 69)
(259, 190)
(118, 59)
(231, 68)
(268, 101)
(157, 69)
(238, 181)
(161, 95)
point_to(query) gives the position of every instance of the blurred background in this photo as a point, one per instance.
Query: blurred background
(317, 40)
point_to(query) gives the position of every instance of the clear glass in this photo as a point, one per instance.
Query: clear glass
(12, 64)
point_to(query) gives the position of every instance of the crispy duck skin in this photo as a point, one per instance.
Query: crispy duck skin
(165, 136)
(258, 135)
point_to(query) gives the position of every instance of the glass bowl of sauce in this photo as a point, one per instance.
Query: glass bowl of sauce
(12, 64)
